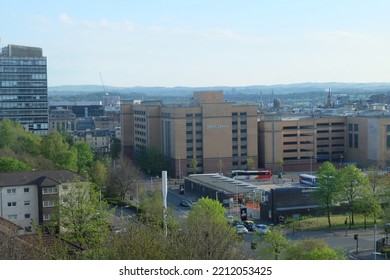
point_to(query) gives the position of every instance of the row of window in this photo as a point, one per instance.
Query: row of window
(45, 203)
(14, 217)
(13, 61)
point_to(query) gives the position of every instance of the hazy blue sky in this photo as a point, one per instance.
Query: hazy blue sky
(203, 43)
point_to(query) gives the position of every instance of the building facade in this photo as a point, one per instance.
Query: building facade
(295, 144)
(207, 135)
(28, 198)
(23, 87)
(368, 141)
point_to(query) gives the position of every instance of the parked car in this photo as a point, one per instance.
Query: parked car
(241, 229)
(249, 225)
(230, 219)
(185, 203)
(261, 228)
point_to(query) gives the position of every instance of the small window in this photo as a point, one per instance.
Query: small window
(27, 203)
(12, 217)
(26, 190)
(46, 217)
(27, 216)
(11, 191)
(11, 204)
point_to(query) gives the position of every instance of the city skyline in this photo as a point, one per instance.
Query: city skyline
(203, 43)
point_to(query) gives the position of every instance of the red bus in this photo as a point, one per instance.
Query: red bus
(251, 174)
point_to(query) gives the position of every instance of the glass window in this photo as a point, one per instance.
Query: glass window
(356, 127)
(356, 141)
(350, 140)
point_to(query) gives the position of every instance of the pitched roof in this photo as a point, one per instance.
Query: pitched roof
(40, 178)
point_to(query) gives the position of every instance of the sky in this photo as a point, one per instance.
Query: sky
(199, 43)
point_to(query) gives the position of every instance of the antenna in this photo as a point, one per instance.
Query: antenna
(104, 87)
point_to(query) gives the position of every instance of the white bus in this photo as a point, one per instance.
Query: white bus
(307, 179)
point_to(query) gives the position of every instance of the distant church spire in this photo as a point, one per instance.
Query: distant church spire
(329, 103)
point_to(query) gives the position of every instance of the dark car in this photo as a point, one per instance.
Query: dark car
(185, 203)
(250, 225)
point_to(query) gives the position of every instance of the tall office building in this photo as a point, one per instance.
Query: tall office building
(219, 135)
(23, 87)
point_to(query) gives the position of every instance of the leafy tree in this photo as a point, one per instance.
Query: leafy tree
(352, 182)
(251, 163)
(82, 218)
(99, 173)
(84, 156)
(7, 133)
(368, 204)
(55, 148)
(123, 177)
(274, 244)
(151, 161)
(194, 165)
(327, 190)
(312, 249)
(28, 143)
(206, 235)
(8, 164)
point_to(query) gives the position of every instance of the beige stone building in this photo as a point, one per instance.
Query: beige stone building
(368, 141)
(300, 143)
(220, 135)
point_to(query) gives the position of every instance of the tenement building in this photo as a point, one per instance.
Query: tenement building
(206, 135)
(23, 87)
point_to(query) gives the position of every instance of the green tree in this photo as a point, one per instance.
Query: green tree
(82, 218)
(274, 244)
(8, 164)
(7, 133)
(194, 165)
(368, 204)
(327, 190)
(28, 143)
(151, 161)
(99, 174)
(55, 148)
(84, 156)
(312, 249)
(206, 235)
(352, 182)
(251, 163)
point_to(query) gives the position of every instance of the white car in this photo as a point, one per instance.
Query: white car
(241, 229)
(261, 228)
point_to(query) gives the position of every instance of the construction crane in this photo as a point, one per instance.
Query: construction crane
(104, 87)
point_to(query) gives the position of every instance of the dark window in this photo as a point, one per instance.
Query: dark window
(388, 128)
(356, 141)
(388, 141)
(350, 140)
(350, 127)
(356, 127)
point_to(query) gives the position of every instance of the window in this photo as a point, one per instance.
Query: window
(11, 191)
(350, 140)
(28, 229)
(350, 126)
(46, 217)
(12, 217)
(26, 190)
(52, 190)
(27, 203)
(388, 141)
(11, 204)
(27, 216)
(356, 127)
(356, 141)
(48, 203)
(388, 128)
